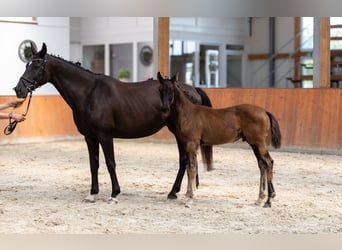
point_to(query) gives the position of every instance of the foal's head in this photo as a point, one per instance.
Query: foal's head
(166, 90)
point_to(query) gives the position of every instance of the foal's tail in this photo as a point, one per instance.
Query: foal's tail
(206, 150)
(275, 131)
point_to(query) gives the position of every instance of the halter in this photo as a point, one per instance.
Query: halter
(30, 85)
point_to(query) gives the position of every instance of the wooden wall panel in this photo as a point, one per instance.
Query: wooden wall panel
(308, 118)
(47, 116)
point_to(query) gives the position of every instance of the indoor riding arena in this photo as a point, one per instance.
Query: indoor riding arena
(45, 172)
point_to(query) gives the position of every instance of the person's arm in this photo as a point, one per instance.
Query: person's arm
(9, 104)
(14, 116)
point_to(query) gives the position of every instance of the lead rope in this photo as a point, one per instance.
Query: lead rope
(12, 124)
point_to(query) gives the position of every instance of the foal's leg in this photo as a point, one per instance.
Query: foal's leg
(265, 163)
(93, 151)
(108, 151)
(262, 169)
(192, 173)
(183, 162)
(270, 187)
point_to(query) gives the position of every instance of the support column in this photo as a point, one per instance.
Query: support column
(321, 54)
(297, 67)
(272, 51)
(162, 37)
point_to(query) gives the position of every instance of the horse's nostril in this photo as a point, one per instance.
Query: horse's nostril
(165, 109)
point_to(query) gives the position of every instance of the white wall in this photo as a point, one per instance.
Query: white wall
(210, 30)
(54, 31)
(111, 30)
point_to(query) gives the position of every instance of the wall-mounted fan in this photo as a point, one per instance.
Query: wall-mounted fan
(146, 55)
(24, 50)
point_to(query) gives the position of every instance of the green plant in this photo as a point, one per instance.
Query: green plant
(124, 73)
(27, 52)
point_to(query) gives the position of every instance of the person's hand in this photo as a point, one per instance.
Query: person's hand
(15, 103)
(18, 117)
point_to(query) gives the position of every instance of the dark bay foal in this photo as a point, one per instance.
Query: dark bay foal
(197, 125)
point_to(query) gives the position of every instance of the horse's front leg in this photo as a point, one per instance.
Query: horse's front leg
(192, 173)
(93, 151)
(108, 151)
(183, 162)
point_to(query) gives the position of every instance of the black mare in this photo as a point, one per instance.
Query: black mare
(105, 108)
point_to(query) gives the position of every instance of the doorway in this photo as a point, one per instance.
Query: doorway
(234, 70)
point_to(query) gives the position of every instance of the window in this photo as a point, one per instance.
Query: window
(307, 33)
(93, 58)
(307, 45)
(182, 60)
(336, 32)
(121, 57)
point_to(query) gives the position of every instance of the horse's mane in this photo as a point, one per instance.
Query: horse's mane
(78, 65)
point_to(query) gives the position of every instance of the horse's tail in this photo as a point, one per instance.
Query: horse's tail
(206, 150)
(275, 131)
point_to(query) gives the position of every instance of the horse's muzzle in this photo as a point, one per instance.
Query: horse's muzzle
(165, 109)
(19, 92)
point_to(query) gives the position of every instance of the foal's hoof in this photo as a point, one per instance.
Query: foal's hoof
(172, 196)
(188, 204)
(259, 201)
(90, 198)
(267, 204)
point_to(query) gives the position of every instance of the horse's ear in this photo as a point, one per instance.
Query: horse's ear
(175, 78)
(160, 78)
(43, 51)
(33, 48)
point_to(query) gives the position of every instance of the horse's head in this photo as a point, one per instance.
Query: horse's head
(166, 90)
(34, 75)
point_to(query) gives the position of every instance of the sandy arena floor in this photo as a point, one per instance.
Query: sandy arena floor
(42, 187)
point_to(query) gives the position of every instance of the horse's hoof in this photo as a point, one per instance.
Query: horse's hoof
(90, 198)
(111, 200)
(188, 204)
(190, 194)
(259, 201)
(172, 196)
(267, 204)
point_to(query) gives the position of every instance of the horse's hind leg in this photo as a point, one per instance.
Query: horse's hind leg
(270, 187)
(265, 164)
(108, 151)
(263, 176)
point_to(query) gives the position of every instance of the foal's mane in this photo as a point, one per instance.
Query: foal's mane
(186, 93)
